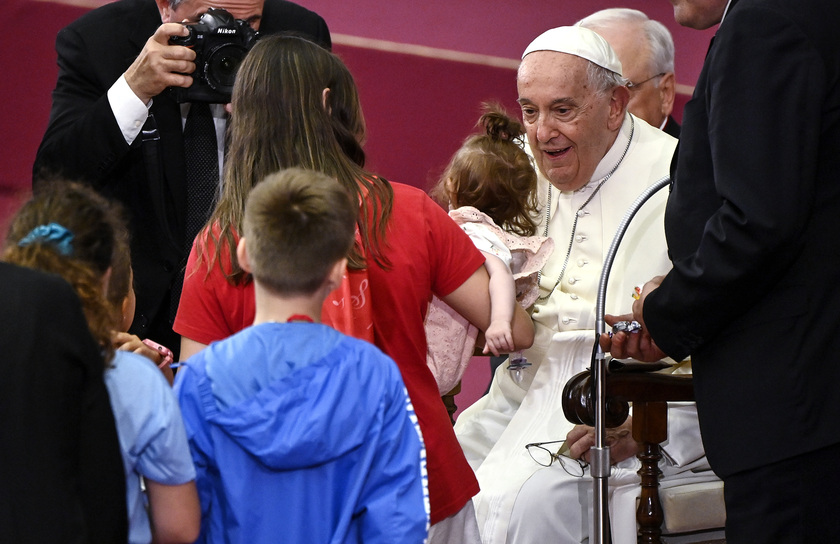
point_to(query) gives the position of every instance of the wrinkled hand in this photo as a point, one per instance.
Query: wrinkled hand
(160, 65)
(498, 338)
(620, 440)
(638, 345)
(622, 345)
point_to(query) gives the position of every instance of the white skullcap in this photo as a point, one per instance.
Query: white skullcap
(578, 41)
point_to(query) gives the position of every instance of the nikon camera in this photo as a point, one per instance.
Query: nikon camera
(220, 43)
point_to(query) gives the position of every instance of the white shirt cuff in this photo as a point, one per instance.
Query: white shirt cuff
(129, 111)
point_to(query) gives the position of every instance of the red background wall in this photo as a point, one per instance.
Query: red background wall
(422, 68)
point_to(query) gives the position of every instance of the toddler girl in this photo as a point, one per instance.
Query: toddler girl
(490, 187)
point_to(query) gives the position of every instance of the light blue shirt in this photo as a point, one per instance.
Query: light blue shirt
(153, 441)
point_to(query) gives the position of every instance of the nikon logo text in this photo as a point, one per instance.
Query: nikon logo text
(226, 31)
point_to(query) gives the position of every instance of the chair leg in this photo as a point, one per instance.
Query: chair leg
(649, 514)
(650, 423)
(449, 402)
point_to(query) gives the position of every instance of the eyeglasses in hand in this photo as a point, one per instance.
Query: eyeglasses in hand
(545, 457)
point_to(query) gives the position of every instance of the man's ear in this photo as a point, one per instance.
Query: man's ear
(325, 100)
(618, 107)
(242, 255)
(164, 9)
(667, 93)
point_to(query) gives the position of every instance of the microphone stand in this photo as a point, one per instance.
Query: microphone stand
(600, 452)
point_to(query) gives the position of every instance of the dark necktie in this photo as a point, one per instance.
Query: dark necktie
(202, 160)
(201, 155)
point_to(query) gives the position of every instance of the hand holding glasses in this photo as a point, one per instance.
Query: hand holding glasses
(545, 457)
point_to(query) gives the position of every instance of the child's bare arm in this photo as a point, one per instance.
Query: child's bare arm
(175, 511)
(190, 347)
(498, 336)
(471, 299)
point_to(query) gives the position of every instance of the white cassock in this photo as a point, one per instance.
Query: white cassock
(493, 431)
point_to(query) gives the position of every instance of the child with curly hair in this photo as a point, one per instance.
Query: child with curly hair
(490, 188)
(69, 230)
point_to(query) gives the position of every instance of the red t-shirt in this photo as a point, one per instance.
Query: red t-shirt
(211, 308)
(428, 254)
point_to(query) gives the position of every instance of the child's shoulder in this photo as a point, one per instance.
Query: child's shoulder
(136, 379)
(369, 358)
(362, 346)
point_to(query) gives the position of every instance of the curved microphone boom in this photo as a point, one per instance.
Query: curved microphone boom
(600, 452)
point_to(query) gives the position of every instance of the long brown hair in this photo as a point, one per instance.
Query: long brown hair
(492, 173)
(279, 121)
(70, 230)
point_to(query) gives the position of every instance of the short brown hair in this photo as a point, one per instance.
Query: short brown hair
(298, 223)
(492, 173)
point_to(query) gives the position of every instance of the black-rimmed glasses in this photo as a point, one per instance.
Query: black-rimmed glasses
(633, 86)
(545, 457)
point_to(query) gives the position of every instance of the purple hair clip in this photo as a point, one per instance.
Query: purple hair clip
(54, 234)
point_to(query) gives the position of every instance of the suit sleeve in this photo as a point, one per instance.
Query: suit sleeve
(764, 94)
(322, 33)
(83, 139)
(288, 17)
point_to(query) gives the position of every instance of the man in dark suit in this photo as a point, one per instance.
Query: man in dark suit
(115, 125)
(646, 51)
(61, 472)
(752, 224)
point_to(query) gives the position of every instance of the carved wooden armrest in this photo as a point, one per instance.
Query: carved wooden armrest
(649, 392)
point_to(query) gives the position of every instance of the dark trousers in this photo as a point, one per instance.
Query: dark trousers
(791, 501)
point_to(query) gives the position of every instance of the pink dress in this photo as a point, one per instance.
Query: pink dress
(452, 338)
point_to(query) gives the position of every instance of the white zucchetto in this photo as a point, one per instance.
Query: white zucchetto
(578, 41)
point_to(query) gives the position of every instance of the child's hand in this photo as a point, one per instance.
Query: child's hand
(131, 342)
(499, 338)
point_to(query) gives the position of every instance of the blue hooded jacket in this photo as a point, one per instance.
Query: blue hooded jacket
(301, 434)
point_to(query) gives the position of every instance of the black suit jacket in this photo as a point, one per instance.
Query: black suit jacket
(672, 127)
(752, 225)
(61, 471)
(83, 141)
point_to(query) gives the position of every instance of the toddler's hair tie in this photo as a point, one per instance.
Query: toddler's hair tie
(54, 234)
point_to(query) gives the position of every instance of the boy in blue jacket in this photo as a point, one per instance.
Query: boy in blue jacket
(298, 432)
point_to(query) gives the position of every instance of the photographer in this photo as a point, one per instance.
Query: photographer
(116, 124)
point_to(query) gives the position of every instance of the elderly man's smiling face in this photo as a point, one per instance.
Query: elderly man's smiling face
(570, 126)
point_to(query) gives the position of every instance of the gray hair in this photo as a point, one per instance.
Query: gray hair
(602, 80)
(658, 37)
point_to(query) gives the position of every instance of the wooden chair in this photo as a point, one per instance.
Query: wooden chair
(649, 392)
(449, 402)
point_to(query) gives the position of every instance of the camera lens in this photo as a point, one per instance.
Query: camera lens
(221, 66)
